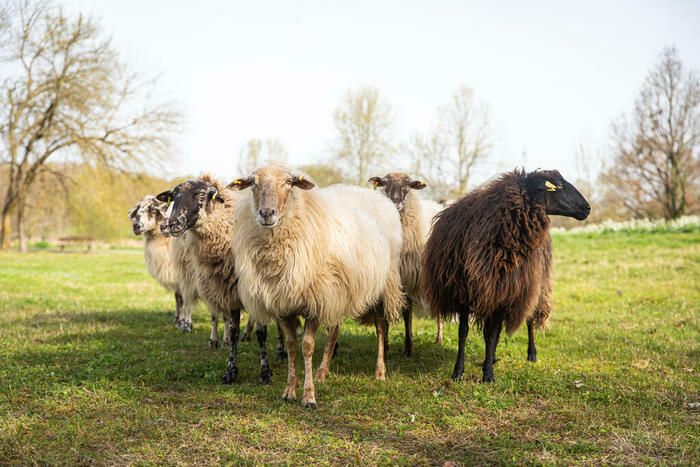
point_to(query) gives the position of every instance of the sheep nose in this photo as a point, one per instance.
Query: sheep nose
(266, 213)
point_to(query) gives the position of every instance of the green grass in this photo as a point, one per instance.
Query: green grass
(92, 371)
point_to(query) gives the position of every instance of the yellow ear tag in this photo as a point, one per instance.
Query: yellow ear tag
(213, 198)
(168, 205)
(374, 184)
(236, 182)
(301, 178)
(550, 186)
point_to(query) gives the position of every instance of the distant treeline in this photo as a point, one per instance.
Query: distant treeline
(82, 199)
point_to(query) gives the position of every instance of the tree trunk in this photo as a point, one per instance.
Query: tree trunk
(5, 230)
(21, 231)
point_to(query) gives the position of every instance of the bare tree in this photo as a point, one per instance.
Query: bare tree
(467, 123)
(657, 150)
(66, 96)
(428, 154)
(364, 122)
(257, 151)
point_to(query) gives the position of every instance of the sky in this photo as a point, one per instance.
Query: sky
(554, 74)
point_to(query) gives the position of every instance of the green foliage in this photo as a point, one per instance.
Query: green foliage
(93, 372)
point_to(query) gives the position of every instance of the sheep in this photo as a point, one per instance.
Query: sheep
(416, 221)
(146, 217)
(489, 256)
(202, 209)
(321, 253)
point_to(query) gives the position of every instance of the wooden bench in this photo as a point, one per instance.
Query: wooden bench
(89, 242)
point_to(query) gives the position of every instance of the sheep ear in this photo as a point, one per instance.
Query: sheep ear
(417, 185)
(302, 182)
(132, 211)
(165, 197)
(241, 183)
(376, 181)
(213, 195)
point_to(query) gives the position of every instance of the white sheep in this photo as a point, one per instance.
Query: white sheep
(202, 216)
(321, 253)
(146, 218)
(417, 215)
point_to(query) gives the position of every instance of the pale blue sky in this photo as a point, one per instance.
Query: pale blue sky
(553, 72)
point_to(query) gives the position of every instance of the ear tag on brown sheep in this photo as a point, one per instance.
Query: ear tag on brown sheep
(550, 186)
(374, 184)
(168, 205)
(213, 197)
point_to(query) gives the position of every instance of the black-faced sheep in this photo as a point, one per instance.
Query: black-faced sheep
(489, 256)
(416, 221)
(321, 253)
(202, 213)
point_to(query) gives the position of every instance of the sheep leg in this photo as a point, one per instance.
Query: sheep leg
(261, 335)
(463, 333)
(440, 323)
(281, 351)
(379, 324)
(214, 333)
(187, 322)
(178, 308)
(248, 330)
(408, 325)
(328, 352)
(492, 332)
(227, 329)
(308, 344)
(290, 334)
(531, 349)
(232, 365)
(386, 336)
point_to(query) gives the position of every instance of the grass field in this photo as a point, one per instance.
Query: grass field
(93, 371)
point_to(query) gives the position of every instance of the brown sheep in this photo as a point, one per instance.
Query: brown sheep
(489, 256)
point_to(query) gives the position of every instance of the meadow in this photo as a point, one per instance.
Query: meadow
(92, 371)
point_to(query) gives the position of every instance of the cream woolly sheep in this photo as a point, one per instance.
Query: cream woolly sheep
(416, 221)
(324, 254)
(146, 217)
(202, 213)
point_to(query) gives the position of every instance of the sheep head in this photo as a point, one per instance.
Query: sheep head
(396, 186)
(558, 197)
(147, 215)
(272, 186)
(191, 200)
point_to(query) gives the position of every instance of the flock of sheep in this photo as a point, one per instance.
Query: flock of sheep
(282, 249)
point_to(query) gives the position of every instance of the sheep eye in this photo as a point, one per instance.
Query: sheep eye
(288, 182)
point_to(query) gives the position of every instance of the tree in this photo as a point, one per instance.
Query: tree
(67, 97)
(323, 174)
(364, 122)
(656, 164)
(467, 123)
(428, 154)
(257, 152)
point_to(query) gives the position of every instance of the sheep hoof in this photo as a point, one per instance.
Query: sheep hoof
(213, 344)
(186, 327)
(227, 343)
(456, 376)
(532, 357)
(321, 376)
(266, 375)
(309, 404)
(178, 323)
(229, 376)
(245, 337)
(438, 341)
(380, 376)
(488, 378)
